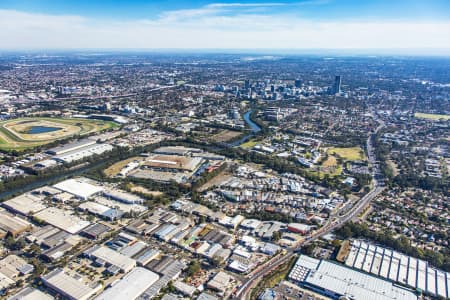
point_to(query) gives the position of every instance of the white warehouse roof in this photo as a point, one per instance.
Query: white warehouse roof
(335, 279)
(78, 188)
(131, 286)
(62, 219)
(70, 287)
(30, 293)
(25, 204)
(112, 257)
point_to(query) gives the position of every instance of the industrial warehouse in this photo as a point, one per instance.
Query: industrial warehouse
(71, 152)
(395, 266)
(335, 281)
(131, 286)
(169, 163)
(69, 287)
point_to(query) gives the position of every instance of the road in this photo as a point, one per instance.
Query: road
(332, 224)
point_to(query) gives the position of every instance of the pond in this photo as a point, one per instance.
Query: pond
(41, 129)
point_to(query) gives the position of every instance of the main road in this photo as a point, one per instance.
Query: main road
(332, 224)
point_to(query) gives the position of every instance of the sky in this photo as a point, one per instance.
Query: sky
(405, 25)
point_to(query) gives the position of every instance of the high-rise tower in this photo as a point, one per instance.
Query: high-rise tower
(337, 85)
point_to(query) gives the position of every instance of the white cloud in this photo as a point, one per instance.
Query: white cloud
(262, 4)
(208, 27)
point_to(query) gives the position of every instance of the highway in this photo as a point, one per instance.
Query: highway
(332, 224)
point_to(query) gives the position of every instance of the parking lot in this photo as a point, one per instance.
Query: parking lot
(287, 290)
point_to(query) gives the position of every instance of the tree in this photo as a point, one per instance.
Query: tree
(35, 249)
(193, 268)
(308, 249)
(276, 236)
(39, 267)
(12, 244)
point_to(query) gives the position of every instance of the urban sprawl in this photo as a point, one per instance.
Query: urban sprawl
(177, 176)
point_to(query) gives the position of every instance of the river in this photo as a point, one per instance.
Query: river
(255, 128)
(46, 181)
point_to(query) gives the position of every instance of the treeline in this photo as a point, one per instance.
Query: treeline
(205, 177)
(268, 216)
(426, 183)
(402, 244)
(223, 126)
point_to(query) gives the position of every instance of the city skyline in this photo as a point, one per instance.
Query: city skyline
(410, 27)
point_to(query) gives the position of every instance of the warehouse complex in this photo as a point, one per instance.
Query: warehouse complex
(334, 281)
(12, 269)
(131, 286)
(74, 151)
(24, 204)
(62, 219)
(399, 267)
(114, 260)
(78, 188)
(68, 286)
(30, 293)
(12, 224)
(170, 163)
(71, 147)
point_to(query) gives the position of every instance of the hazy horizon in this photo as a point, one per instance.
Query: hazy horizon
(345, 25)
(243, 51)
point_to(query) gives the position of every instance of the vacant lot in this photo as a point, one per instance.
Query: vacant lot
(225, 135)
(114, 169)
(25, 133)
(431, 116)
(143, 190)
(349, 154)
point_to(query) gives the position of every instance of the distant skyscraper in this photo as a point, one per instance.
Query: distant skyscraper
(247, 84)
(298, 83)
(337, 85)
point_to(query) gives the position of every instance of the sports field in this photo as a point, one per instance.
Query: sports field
(352, 153)
(431, 116)
(25, 133)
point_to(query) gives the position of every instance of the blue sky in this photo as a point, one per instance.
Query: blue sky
(312, 9)
(301, 24)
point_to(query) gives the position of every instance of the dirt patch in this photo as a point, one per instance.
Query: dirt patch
(143, 190)
(343, 251)
(114, 169)
(225, 136)
(216, 181)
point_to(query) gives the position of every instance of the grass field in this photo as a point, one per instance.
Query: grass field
(15, 134)
(330, 162)
(225, 135)
(349, 154)
(330, 167)
(250, 144)
(332, 172)
(432, 116)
